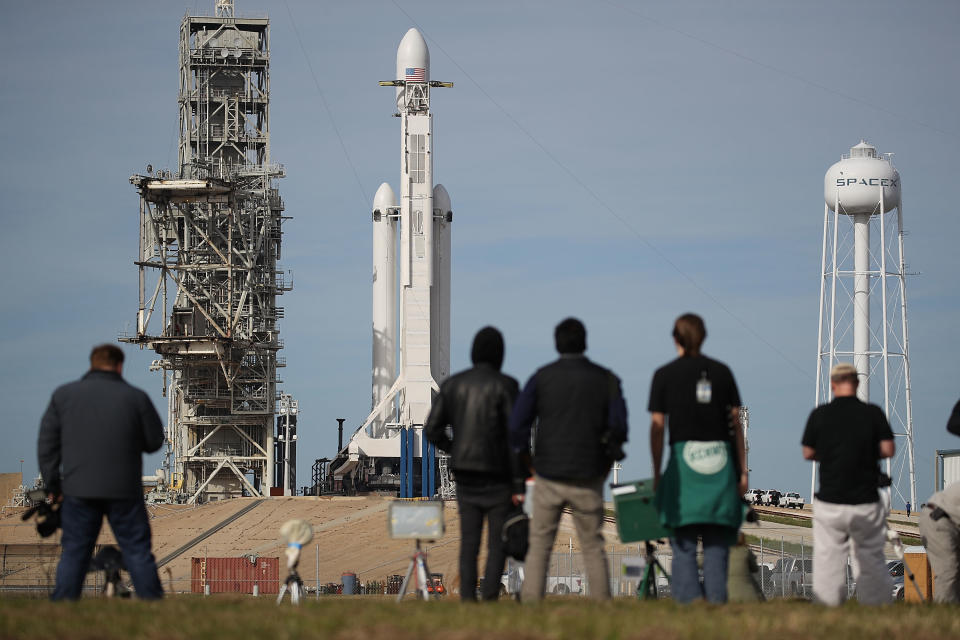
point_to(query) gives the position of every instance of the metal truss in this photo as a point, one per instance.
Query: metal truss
(210, 239)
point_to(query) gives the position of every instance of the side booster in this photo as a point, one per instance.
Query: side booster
(411, 299)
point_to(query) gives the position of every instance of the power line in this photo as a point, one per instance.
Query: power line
(783, 72)
(333, 122)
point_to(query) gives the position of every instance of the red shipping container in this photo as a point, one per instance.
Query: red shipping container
(235, 575)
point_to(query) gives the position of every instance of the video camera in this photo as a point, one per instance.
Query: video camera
(48, 515)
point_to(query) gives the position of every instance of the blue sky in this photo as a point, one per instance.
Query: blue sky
(616, 161)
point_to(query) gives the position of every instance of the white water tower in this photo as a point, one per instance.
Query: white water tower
(863, 299)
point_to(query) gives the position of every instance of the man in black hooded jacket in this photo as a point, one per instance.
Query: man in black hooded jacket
(468, 420)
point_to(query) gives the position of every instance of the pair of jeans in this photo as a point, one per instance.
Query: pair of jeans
(476, 502)
(685, 586)
(81, 519)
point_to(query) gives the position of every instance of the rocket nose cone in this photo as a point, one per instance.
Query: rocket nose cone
(384, 198)
(441, 199)
(413, 54)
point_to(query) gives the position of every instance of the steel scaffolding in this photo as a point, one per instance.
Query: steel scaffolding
(210, 239)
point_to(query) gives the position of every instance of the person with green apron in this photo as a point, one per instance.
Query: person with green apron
(699, 495)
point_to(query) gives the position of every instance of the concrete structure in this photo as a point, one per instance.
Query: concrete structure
(210, 239)
(863, 299)
(946, 468)
(411, 298)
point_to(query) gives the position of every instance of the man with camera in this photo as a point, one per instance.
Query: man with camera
(848, 437)
(582, 425)
(940, 530)
(468, 420)
(91, 439)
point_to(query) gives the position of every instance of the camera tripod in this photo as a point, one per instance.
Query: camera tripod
(294, 584)
(419, 571)
(648, 585)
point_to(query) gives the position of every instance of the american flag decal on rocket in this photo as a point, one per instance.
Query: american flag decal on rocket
(415, 74)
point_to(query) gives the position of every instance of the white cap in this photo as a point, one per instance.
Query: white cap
(412, 55)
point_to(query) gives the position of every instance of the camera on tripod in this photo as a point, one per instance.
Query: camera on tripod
(48, 515)
(639, 521)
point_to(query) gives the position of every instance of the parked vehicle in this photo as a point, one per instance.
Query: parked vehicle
(772, 498)
(792, 577)
(511, 582)
(896, 569)
(563, 585)
(753, 496)
(792, 500)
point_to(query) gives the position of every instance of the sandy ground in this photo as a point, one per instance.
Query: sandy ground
(350, 536)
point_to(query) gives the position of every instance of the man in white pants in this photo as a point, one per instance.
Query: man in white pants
(848, 437)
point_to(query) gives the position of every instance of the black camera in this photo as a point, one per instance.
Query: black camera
(48, 515)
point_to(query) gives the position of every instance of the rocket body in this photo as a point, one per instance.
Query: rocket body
(411, 309)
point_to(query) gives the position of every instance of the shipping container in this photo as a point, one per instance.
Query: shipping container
(235, 575)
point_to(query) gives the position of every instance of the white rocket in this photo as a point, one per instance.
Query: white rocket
(411, 273)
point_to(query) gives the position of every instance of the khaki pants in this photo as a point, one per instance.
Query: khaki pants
(942, 540)
(585, 499)
(840, 530)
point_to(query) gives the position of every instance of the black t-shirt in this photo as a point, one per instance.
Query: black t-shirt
(674, 392)
(846, 436)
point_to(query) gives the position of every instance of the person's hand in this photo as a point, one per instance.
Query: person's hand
(517, 499)
(54, 498)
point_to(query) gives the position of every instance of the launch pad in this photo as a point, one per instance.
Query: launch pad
(411, 301)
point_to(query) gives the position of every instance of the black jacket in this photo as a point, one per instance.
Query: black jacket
(578, 404)
(96, 429)
(476, 405)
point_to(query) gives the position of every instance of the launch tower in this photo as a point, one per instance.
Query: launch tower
(210, 239)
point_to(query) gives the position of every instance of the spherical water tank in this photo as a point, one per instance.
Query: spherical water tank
(858, 180)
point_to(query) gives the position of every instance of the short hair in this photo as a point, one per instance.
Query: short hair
(488, 347)
(106, 356)
(690, 332)
(844, 372)
(570, 336)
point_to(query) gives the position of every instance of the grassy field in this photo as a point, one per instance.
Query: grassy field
(365, 618)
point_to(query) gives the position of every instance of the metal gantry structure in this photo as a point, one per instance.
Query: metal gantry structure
(210, 241)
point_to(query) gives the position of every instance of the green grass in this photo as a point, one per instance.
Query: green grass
(790, 520)
(362, 618)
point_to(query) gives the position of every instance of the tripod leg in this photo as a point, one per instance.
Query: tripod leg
(423, 575)
(406, 579)
(648, 584)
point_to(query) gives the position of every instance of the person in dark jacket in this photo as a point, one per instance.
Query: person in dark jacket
(468, 420)
(91, 439)
(582, 425)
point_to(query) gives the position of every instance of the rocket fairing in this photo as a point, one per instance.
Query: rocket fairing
(411, 283)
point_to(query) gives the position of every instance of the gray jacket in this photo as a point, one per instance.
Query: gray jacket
(92, 436)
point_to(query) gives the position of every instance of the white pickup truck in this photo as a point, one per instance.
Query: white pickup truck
(792, 500)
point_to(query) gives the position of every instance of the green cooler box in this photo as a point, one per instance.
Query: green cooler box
(637, 517)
